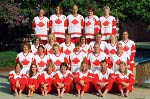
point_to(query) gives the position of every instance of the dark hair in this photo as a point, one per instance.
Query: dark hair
(35, 38)
(30, 70)
(41, 46)
(64, 64)
(18, 63)
(78, 44)
(25, 44)
(83, 37)
(98, 34)
(103, 61)
(67, 34)
(91, 8)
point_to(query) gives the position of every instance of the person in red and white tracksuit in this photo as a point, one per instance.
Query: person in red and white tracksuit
(83, 78)
(40, 25)
(76, 58)
(75, 24)
(33, 80)
(84, 46)
(17, 79)
(57, 58)
(118, 57)
(107, 24)
(63, 79)
(128, 47)
(92, 25)
(46, 79)
(124, 79)
(67, 47)
(58, 24)
(49, 45)
(98, 39)
(111, 46)
(41, 60)
(103, 79)
(25, 57)
(94, 59)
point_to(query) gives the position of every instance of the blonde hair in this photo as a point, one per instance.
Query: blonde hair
(116, 40)
(56, 45)
(52, 36)
(124, 64)
(106, 7)
(81, 66)
(49, 65)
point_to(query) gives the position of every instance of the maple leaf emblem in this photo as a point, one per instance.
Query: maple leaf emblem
(25, 62)
(96, 62)
(76, 60)
(88, 23)
(41, 64)
(50, 51)
(40, 24)
(118, 62)
(57, 63)
(112, 51)
(106, 23)
(58, 21)
(67, 52)
(75, 22)
(126, 48)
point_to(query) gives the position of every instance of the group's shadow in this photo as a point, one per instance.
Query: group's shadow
(3, 76)
(5, 88)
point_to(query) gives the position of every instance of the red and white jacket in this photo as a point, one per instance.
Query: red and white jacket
(86, 76)
(49, 49)
(130, 48)
(58, 25)
(25, 59)
(86, 48)
(46, 78)
(108, 76)
(107, 26)
(111, 49)
(41, 62)
(128, 78)
(115, 59)
(94, 60)
(21, 77)
(41, 27)
(75, 25)
(58, 59)
(92, 26)
(75, 60)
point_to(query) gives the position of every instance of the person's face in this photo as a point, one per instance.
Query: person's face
(41, 13)
(84, 67)
(18, 68)
(122, 68)
(96, 48)
(63, 69)
(40, 50)
(106, 11)
(125, 35)
(103, 66)
(98, 38)
(67, 38)
(25, 49)
(51, 38)
(90, 12)
(34, 68)
(119, 48)
(112, 37)
(82, 40)
(78, 48)
(56, 50)
(75, 9)
(58, 10)
(37, 42)
(50, 68)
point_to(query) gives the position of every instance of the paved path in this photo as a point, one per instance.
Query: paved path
(138, 93)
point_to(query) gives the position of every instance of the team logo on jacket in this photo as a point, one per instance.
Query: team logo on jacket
(106, 23)
(41, 64)
(40, 24)
(25, 62)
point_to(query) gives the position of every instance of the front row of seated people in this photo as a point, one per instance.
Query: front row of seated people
(103, 79)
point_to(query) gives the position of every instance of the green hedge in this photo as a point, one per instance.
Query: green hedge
(7, 59)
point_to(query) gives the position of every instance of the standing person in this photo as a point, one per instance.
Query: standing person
(49, 45)
(62, 80)
(46, 79)
(124, 79)
(25, 57)
(103, 79)
(58, 24)
(75, 24)
(107, 24)
(34, 47)
(40, 25)
(92, 25)
(83, 78)
(33, 80)
(128, 47)
(41, 60)
(17, 79)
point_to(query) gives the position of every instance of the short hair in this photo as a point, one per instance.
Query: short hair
(18, 63)
(61, 11)
(125, 32)
(55, 45)
(74, 6)
(41, 46)
(91, 8)
(25, 44)
(96, 44)
(106, 7)
(81, 66)
(77, 44)
(48, 65)
(98, 34)
(36, 37)
(103, 61)
(83, 37)
(52, 35)
(67, 34)
(119, 44)
(64, 64)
